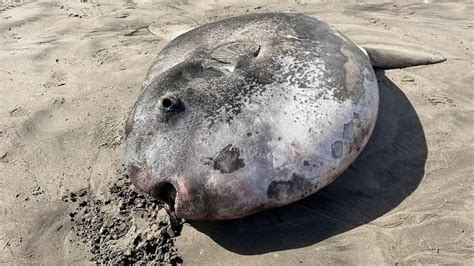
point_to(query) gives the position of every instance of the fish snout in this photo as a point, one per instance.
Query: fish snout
(184, 198)
(161, 189)
(192, 199)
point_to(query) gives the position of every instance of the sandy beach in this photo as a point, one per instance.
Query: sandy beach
(71, 71)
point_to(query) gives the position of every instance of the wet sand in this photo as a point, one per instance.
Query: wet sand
(71, 71)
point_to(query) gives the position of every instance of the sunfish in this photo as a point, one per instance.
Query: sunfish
(254, 112)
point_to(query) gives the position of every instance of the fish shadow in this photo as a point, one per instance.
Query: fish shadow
(386, 172)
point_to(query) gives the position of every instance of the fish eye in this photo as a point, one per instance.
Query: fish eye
(169, 102)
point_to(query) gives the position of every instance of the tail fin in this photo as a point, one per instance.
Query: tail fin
(388, 57)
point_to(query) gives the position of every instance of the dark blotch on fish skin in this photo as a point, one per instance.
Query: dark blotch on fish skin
(353, 132)
(336, 149)
(351, 129)
(228, 161)
(280, 189)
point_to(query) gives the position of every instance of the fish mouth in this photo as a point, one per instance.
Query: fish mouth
(162, 190)
(165, 192)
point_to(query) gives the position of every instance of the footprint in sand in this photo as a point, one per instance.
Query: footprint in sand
(57, 79)
(42, 121)
(436, 100)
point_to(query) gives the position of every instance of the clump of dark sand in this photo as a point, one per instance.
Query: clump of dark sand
(126, 227)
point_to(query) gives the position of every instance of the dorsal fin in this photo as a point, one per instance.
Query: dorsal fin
(389, 56)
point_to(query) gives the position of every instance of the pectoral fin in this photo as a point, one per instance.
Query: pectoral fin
(227, 57)
(388, 56)
(231, 53)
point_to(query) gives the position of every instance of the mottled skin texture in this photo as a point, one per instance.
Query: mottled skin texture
(250, 113)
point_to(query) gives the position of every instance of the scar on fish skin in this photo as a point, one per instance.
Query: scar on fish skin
(352, 129)
(282, 189)
(336, 149)
(228, 160)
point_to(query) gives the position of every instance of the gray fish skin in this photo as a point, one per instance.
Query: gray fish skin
(250, 113)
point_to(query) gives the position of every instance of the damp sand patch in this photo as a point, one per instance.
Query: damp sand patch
(126, 227)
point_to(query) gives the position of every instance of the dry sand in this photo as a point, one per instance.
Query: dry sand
(71, 71)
